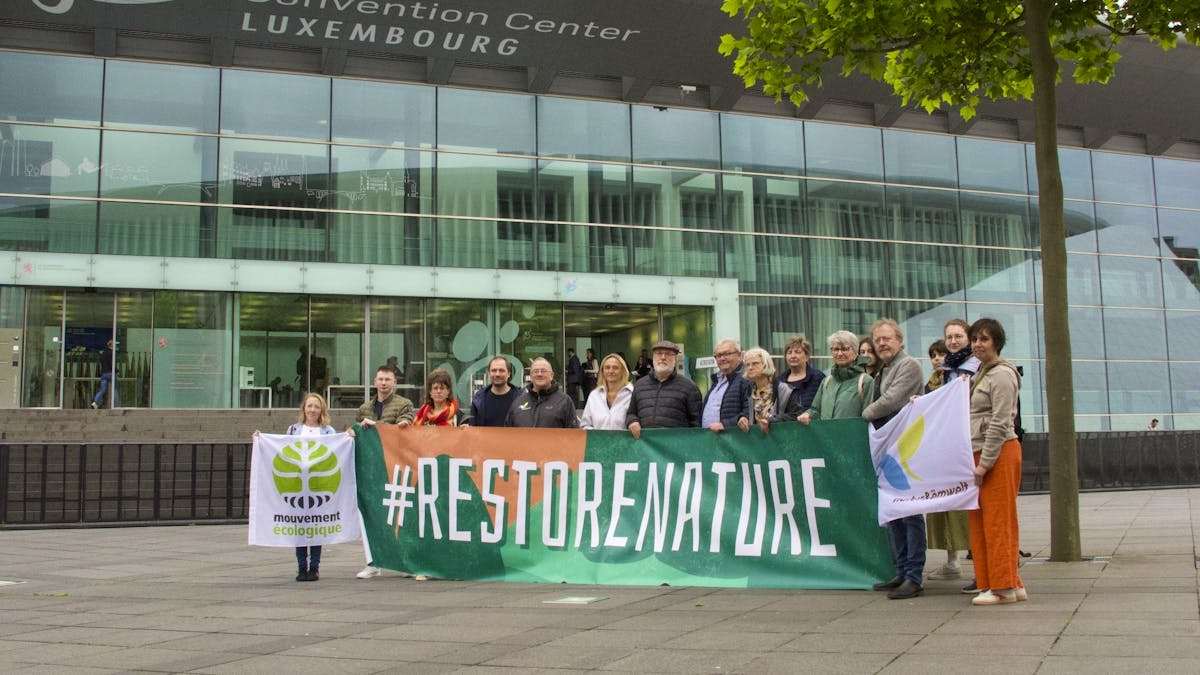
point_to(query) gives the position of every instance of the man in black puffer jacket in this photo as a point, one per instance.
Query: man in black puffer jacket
(665, 399)
(542, 404)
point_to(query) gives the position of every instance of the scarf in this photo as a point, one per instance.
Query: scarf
(953, 361)
(854, 369)
(446, 418)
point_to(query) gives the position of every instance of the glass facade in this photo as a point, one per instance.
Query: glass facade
(823, 226)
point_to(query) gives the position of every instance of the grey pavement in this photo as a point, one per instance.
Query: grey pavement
(197, 599)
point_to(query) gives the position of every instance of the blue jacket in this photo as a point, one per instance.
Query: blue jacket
(736, 402)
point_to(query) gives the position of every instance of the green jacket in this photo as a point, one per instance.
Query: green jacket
(395, 408)
(843, 393)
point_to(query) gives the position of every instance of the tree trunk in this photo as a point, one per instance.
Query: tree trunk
(1060, 398)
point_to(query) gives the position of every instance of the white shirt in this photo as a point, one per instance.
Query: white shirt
(597, 414)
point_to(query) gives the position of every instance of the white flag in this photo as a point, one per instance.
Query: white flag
(303, 490)
(922, 456)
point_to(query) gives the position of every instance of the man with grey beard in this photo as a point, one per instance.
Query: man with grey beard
(665, 399)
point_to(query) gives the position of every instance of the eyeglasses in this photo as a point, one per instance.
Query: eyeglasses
(725, 355)
(841, 348)
(540, 371)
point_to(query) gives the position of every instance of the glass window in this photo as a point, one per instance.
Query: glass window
(335, 338)
(923, 215)
(914, 158)
(381, 181)
(925, 271)
(1138, 388)
(667, 252)
(272, 179)
(1091, 387)
(1021, 327)
(384, 113)
(846, 210)
(462, 339)
(273, 352)
(162, 167)
(1183, 338)
(991, 165)
(536, 329)
(1083, 279)
(1126, 229)
(43, 348)
(1079, 221)
(1086, 333)
(1074, 164)
(158, 96)
(397, 332)
(48, 161)
(157, 229)
(765, 144)
(842, 151)
(192, 344)
(761, 204)
(583, 129)
(827, 315)
(691, 328)
(1000, 275)
(770, 322)
(1177, 182)
(1128, 281)
(1134, 334)
(847, 267)
(507, 125)
(272, 104)
(40, 88)
(1181, 283)
(1185, 392)
(1123, 178)
(584, 192)
(990, 220)
(134, 347)
(678, 198)
(500, 188)
(1180, 233)
(676, 137)
(923, 323)
(779, 265)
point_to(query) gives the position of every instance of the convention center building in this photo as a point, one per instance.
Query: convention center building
(255, 198)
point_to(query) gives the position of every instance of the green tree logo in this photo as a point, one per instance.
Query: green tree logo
(306, 474)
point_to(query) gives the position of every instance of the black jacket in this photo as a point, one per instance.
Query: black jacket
(550, 409)
(673, 403)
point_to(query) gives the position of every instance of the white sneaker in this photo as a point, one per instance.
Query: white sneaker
(368, 572)
(1022, 594)
(946, 572)
(421, 577)
(996, 598)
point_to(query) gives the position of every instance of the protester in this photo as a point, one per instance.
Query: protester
(759, 376)
(666, 399)
(937, 356)
(867, 348)
(440, 408)
(609, 402)
(797, 386)
(728, 396)
(313, 421)
(387, 407)
(542, 404)
(995, 533)
(899, 380)
(847, 389)
(490, 405)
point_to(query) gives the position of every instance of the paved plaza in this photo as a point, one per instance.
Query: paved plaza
(196, 599)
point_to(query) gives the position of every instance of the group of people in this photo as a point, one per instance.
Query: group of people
(871, 379)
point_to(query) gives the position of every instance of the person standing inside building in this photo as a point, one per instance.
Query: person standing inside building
(644, 365)
(666, 399)
(387, 407)
(107, 380)
(608, 404)
(995, 533)
(591, 373)
(899, 381)
(574, 377)
(728, 398)
(490, 405)
(542, 404)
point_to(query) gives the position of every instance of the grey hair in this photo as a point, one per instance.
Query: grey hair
(736, 345)
(767, 361)
(844, 338)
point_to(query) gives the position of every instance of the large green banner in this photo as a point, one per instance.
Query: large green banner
(795, 508)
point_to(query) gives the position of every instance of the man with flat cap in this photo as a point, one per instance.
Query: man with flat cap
(665, 399)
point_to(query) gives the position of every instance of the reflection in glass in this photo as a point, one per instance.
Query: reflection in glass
(923, 215)
(335, 340)
(134, 347)
(1138, 388)
(160, 96)
(1185, 394)
(1129, 281)
(274, 104)
(843, 151)
(1134, 334)
(489, 188)
(578, 129)
(48, 161)
(192, 343)
(1091, 387)
(1079, 221)
(691, 328)
(923, 324)
(763, 144)
(160, 167)
(925, 271)
(397, 330)
(1021, 327)
(383, 113)
(1126, 229)
(1074, 164)
(1000, 275)
(990, 220)
(846, 210)
(44, 88)
(1177, 182)
(1183, 338)
(508, 125)
(462, 339)
(273, 351)
(1122, 178)
(915, 158)
(676, 137)
(991, 165)
(43, 353)
(1083, 279)
(562, 186)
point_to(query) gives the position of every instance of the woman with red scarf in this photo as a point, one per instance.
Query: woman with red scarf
(441, 408)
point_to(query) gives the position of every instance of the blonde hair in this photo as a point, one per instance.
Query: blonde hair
(323, 420)
(620, 362)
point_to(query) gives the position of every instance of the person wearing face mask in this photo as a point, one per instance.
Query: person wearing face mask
(609, 402)
(542, 404)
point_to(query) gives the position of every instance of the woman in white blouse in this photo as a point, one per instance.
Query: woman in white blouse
(608, 403)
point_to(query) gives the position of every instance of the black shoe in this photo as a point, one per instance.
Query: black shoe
(302, 576)
(908, 589)
(313, 575)
(888, 585)
(971, 588)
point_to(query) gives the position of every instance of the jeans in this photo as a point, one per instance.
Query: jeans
(308, 557)
(105, 380)
(908, 547)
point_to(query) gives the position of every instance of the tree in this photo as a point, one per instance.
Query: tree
(953, 52)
